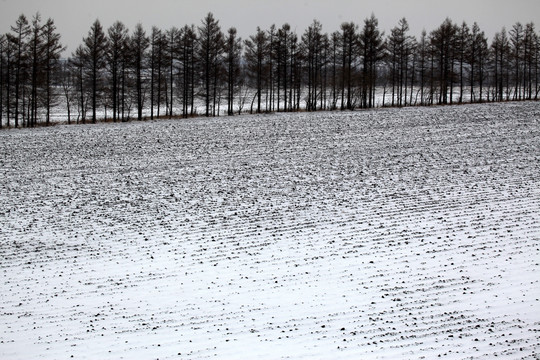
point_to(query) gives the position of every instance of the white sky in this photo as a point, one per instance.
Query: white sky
(73, 18)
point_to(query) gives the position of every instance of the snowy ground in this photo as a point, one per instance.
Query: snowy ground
(398, 234)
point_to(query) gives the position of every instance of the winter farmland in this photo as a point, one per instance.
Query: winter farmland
(400, 234)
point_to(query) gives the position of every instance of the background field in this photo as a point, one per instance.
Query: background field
(394, 233)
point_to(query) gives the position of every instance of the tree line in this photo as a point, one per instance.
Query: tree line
(120, 74)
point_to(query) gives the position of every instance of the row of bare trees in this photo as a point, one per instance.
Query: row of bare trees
(119, 75)
(454, 63)
(29, 59)
(144, 74)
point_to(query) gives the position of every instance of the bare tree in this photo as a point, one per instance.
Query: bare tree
(67, 82)
(476, 57)
(256, 52)
(52, 49)
(155, 37)
(139, 44)
(77, 63)
(3, 46)
(463, 38)
(172, 48)
(372, 48)
(334, 46)
(95, 52)
(21, 32)
(312, 52)
(500, 59)
(210, 52)
(188, 49)
(284, 70)
(349, 43)
(233, 52)
(400, 50)
(516, 42)
(158, 63)
(529, 49)
(423, 50)
(34, 56)
(117, 46)
(443, 41)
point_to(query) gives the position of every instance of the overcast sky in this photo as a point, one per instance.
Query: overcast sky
(73, 18)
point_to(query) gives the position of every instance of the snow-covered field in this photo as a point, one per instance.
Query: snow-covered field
(397, 233)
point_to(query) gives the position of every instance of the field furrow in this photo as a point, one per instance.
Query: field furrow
(395, 233)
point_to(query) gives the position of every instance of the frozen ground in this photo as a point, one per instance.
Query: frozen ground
(398, 234)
